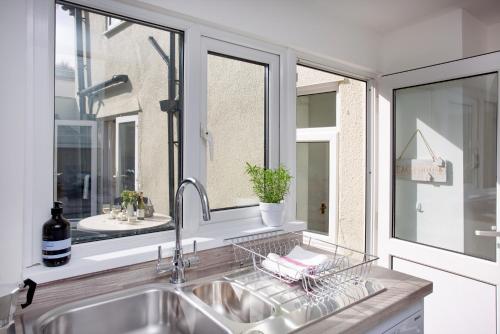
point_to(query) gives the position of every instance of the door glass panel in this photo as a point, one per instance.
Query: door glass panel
(74, 169)
(313, 170)
(236, 118)
(446, 161)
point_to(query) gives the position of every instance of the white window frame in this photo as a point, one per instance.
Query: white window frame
(112, 26)
(326, 135)
(127, 119)
(38, 185)
(272, 150)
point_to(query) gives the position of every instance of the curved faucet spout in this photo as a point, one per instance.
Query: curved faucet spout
(178, 262)
(203, 197)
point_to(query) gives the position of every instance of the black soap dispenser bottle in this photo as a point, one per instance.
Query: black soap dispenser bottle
(56, 244)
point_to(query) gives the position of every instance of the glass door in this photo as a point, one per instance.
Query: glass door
(126, 154)
(438, 188)
(316, 180)
(76, 167)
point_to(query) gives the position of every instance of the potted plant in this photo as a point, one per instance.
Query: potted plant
(129, 200)
(271, 186)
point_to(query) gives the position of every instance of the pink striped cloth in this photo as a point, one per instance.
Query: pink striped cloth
(296, 263)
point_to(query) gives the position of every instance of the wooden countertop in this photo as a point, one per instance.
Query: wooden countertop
(401, 291)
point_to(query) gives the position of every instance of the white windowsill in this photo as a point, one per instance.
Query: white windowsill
(207, 237)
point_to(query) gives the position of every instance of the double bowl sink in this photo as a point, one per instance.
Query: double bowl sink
(218, 306)
(241, 302)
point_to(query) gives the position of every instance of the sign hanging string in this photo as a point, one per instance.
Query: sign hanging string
(433, 155)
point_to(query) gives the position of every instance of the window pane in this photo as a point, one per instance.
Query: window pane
(316, 110)
(313, 179)
(111, 134)
(236, 104)
(456, 147)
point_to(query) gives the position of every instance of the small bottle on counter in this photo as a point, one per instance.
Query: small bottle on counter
(56, 244)
(141, 207)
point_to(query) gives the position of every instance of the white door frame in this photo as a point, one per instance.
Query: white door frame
(467, 266)
(127, 119)
(93, 156)
(326, 135)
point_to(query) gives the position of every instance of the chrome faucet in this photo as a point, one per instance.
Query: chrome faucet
(178, 262)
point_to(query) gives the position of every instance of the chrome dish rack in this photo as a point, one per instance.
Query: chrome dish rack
(344, 266)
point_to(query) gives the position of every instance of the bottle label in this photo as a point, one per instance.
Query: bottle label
(58, 245)
(57, 256)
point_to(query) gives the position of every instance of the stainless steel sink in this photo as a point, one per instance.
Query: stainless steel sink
(152, 309)
(233, 301)
(242, 301)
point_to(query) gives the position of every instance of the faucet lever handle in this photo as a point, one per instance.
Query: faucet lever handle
(195, 248)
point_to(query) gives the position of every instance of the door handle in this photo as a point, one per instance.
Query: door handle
(322, 208)
(487, 233)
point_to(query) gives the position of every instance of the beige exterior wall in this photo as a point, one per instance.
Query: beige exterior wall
(352, 164)
(235, 116)
(126, 50)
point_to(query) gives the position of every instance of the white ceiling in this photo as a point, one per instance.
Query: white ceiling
(383, 16)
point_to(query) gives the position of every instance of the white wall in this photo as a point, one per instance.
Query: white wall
(493, 37)
(289, 23)
(453, 35)
(13, 28)
(435, 40)
(473, 35)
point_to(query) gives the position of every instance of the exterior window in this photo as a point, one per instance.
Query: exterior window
(117, 119)
(112, 22)
(240, 124)
(331, 155)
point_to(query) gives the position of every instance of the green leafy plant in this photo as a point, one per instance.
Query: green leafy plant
(270, 185)
(129, 197)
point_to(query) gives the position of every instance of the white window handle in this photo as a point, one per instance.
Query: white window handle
(492, 233)
(209, 140)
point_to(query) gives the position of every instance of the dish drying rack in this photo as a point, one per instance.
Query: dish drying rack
(344, 265)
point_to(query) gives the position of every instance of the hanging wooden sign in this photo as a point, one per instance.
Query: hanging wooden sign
(418, 169)
(421, 170)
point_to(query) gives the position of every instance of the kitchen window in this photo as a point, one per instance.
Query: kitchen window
(118, 105)
(239, 123)
(127, 116)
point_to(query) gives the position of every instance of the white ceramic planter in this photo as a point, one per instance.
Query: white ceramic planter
(272, 213)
